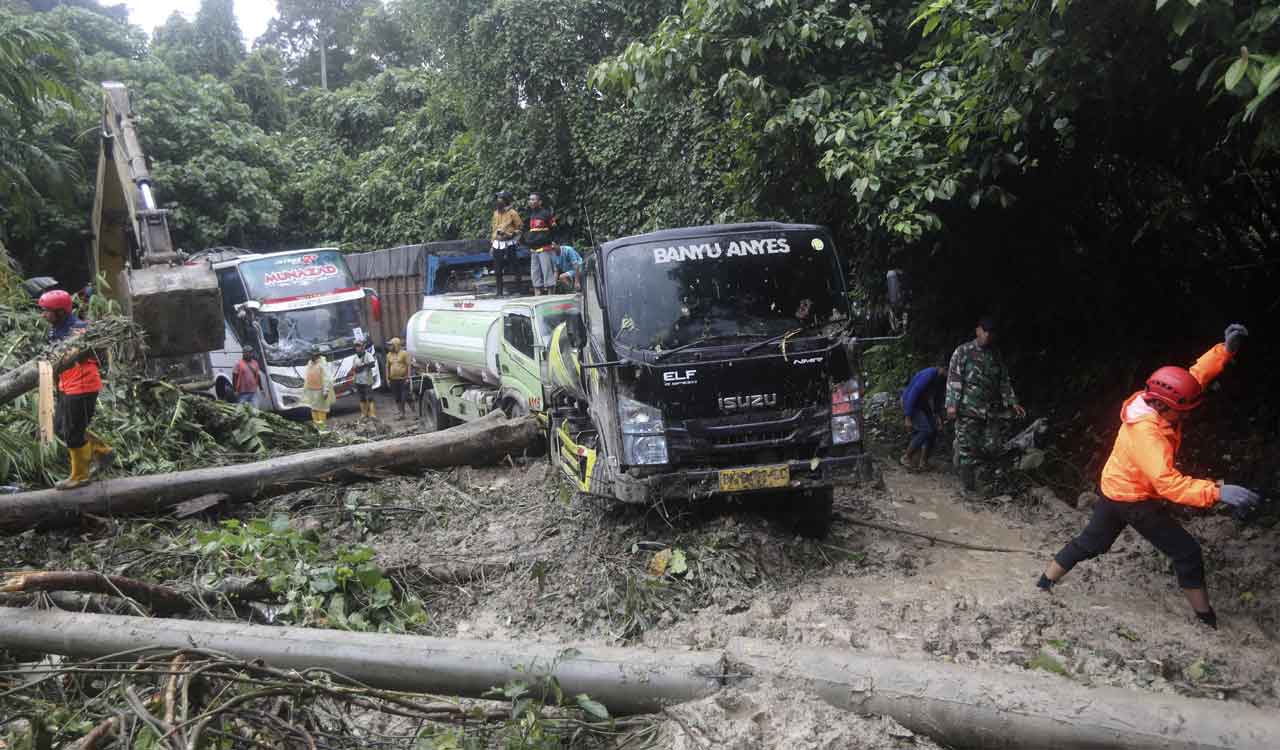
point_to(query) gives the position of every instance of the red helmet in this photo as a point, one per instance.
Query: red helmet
(1176, 387)
(55, 299)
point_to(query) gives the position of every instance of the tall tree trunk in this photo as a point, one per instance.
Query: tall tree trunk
(323, 38)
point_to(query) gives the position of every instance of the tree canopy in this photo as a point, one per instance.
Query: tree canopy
(1096, 141)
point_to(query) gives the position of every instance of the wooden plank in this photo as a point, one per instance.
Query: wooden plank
(44, 405)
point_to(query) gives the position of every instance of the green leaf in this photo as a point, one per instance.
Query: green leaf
(1182, 19)
(678, 565)
(1181, 65)
(594, 709)
(1269, 75)
(746, 54)
(1235, 73)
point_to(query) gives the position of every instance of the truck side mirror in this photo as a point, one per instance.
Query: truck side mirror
(896, 282)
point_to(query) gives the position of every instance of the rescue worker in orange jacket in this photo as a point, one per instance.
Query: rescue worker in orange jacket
(1140, 479)
(78, 388)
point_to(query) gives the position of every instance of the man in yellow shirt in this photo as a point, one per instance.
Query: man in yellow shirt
(399, 368)
(507, 226)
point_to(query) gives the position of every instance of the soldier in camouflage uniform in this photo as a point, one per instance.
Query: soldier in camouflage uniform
(979, 393)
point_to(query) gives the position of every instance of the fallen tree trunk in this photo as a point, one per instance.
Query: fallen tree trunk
(26, 377)
(979, 708)
(957, 706)
(87, 590)
(483, 442)
(625, 680)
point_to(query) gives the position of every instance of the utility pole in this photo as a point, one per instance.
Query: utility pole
(324, 68)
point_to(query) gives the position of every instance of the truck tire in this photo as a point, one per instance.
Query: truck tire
(431, 415)
(814, 513)
(223, 389)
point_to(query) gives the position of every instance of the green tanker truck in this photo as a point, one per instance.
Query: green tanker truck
(477, 354)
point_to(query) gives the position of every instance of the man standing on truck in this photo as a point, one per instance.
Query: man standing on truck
(1140, 482)
(979, 392)
(505, 235)
(246, 378)
(539, 237)
(922, 404)
(568, 267)
(78, 388)
(399, 368)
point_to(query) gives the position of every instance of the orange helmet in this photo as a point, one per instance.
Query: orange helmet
(1175, 387)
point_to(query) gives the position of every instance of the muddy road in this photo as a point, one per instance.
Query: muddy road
(508, 552)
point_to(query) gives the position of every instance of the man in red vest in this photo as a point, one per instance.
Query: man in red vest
(78, 388)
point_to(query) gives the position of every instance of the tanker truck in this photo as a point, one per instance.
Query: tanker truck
(478, 354)
(714, 360)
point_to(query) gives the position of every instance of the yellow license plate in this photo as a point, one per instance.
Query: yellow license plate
(760, 478)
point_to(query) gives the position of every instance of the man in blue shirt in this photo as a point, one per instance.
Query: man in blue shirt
(922, 405)
(568, 266)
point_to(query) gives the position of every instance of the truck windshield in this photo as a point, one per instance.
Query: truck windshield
(289, 335)
(318, 272)
(746, 287)
(550, 316)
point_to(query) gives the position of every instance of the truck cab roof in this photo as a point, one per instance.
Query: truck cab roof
(707, 230)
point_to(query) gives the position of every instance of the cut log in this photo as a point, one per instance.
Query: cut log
(968, 707)
(486, 441)
(26, 377)
(158, 598)
(626, 680)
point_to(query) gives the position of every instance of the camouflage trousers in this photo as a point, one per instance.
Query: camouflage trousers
(977, 440)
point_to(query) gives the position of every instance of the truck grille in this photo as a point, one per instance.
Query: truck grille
(785, 433)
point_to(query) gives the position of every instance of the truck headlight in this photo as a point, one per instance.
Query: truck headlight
(844, 422)
(644, 440)
(288, 381)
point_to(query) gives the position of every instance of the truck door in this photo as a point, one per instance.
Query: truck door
(518, 367)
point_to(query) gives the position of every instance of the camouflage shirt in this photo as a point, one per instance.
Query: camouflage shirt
(978, 382)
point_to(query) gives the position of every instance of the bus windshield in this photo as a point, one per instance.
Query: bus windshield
(289, 335)
(301, 274)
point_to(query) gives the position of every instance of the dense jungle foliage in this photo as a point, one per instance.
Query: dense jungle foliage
(1103, 174)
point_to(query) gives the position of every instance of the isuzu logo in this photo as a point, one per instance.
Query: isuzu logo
(754, 401)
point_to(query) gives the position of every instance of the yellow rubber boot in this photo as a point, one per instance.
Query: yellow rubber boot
(80, 458)
(364, 409)
(373, 410)
(316, 418)
(102, 456)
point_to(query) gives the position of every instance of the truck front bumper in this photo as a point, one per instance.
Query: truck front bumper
(694, 484)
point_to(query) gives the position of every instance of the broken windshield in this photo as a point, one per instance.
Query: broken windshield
(723, 288)
(289, 335)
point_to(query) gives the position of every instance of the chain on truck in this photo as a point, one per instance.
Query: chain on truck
(697, 362)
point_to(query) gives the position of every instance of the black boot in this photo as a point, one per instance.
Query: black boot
(969, 478)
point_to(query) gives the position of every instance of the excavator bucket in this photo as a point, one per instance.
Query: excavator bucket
(178, 307)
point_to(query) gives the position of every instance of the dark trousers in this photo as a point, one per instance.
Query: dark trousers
(363, 391)
(501, 262)
(924, 430)
(1151, 519)
(400, 388)
(71, 417)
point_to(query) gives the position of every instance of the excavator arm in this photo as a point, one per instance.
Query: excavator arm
(177, 304)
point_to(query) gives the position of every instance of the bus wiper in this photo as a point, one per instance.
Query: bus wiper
(775, 339)
(697, 342)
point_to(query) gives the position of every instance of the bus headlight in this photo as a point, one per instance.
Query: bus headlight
(288, 381)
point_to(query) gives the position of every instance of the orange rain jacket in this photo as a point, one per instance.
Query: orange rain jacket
(1141, 463)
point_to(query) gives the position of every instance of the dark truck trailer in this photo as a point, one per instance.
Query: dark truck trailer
(712, 360)
(402, 276)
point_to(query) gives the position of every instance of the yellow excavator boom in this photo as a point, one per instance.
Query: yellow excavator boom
(177, 304)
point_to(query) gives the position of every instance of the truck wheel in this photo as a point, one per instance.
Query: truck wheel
(814, 512)
(431, 415)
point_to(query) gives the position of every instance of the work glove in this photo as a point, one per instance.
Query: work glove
(1239, 498)
(1235, 336)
